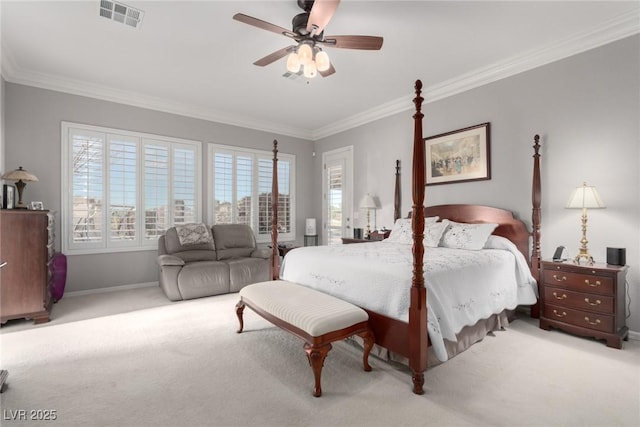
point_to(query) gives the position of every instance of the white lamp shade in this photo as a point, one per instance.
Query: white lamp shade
(368, 202)
(310, 227)
(585, 197)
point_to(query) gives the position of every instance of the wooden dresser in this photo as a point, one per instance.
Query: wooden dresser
(26, 244)
(586, 300)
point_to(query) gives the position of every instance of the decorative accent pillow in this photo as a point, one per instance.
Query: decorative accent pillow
(431, 219)
(402, 232)
(193, 234)
(433, 232)
(466, 236)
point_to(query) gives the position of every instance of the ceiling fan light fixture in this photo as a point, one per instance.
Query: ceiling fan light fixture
(293, 62)
(322, 61)
(310, 70)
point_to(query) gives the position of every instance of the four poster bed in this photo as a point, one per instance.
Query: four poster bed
(491, 274)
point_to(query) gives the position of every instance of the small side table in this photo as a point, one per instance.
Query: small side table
(311, 238)
(348, 240)
(585, 300)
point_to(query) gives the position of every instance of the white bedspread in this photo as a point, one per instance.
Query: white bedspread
(463, 286)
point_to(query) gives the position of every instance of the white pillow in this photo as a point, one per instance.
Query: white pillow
(466, 236)
(433, 232)
(402, 232)
(431, 219)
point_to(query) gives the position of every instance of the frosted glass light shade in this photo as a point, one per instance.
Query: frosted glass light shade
(322, 61)
(310, 70)
(293, 63)
(305, 54)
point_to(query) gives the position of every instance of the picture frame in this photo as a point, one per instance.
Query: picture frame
(461, 155)
(8, 196)
(37, 206)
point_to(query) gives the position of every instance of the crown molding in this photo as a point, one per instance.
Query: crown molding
(618, 28)
(12, 73)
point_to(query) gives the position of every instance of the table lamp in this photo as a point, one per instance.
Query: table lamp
(21, 177)
(368, 203)
(584, 197)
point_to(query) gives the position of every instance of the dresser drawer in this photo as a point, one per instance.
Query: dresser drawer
(582, 301)
(579, 282)
(584, 319)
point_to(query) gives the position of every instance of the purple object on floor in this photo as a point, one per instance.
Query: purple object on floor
(58, 268)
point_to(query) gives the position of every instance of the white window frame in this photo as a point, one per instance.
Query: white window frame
(255, 155)
(106, 245)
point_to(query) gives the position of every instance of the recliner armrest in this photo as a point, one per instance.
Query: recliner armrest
(262, 253)
(169, 260)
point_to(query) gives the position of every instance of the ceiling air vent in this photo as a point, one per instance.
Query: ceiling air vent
(121, 13)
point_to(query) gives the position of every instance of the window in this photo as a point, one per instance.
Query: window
(121, 190)
(241, 190)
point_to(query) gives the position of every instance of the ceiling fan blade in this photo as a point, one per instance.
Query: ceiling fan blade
(354, 42)
(327, 73)
(241, 17)
(272, 57)
(321, 13)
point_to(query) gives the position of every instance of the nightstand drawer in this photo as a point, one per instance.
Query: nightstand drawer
(582, 301)
(584, 319)
(579, 282)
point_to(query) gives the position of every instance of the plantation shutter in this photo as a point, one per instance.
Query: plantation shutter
(87, 184)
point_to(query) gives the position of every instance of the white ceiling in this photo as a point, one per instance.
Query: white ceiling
(191, 58)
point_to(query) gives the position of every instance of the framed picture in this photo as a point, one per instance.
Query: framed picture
(8, 196)
(37, 206)
(458, 156)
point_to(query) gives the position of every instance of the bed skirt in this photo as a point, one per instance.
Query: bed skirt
(468, 336)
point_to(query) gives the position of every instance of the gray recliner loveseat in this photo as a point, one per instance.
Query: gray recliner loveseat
(196, 261)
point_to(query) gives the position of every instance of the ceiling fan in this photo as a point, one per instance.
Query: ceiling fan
(308, 32)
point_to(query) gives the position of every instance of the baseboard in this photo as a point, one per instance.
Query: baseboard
(110, 289)
(633, 335)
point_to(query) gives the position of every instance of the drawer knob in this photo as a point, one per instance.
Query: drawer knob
(588, 301)
(597, 322)
(593, 285)
(559, 279)
(563, 314)
(563, 296)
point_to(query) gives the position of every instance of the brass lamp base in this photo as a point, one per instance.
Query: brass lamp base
(588, 257)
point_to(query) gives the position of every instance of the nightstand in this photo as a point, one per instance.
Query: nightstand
(347, 240)
(586, 300)
(380, 234)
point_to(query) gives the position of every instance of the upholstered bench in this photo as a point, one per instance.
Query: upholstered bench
(319, 319)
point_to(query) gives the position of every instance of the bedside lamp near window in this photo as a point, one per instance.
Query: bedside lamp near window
(22, 177)
(584, 198)
(368, 203)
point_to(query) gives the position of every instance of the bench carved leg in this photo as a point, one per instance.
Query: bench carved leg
(239, 310)
(369, 340)
(316, 356)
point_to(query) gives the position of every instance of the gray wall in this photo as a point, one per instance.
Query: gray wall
(33, 117)
(587, 111)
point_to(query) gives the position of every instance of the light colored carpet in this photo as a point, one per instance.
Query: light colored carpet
(183, 364)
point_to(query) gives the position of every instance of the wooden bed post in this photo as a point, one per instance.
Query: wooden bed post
(418, 304)
(396, 194)
(275, 266)
(536, 218)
